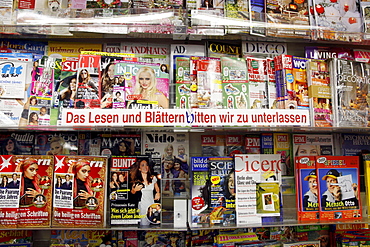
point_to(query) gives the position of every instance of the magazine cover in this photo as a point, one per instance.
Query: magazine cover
(338, 20)
(39, 109)
(81, 238)
(146, 85)
(349, 91)
(312, 144)
(237, 10)
(339, 187)
(283, 146)
(257, 78)
(119, 144)
(79, 191)
(43, 76)
(88, 87)
(184, 85)
(53, 143)
(213, 145)
(134, 192)
(258, 187)
(89, 143)
(267, 143)
(252, 143)
(15, 75)
(307, 187)
(181, 50)
(283, 14)
(234, 83)
(170, 155)
(298, 89)
(319, 92)
(271, 84)
(9, 192)
(33, 178)
(283, 71)
(200, 191)
(354, 144)
(20, 237)
(218, 49)
(209, 87)
(37, 48)
(234, 145)
(222, 192)
(326, 52)
(162, 238)
(14, 143)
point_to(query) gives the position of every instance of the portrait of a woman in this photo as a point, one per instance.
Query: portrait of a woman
(30, 180)
(81, 191)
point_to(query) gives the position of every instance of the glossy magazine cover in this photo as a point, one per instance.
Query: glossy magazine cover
(79, 191)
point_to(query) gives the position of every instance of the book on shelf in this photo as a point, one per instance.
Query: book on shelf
(339, 188)
(222, 191)
(319, 92)
(234, 83)
(349, 91)
(79, 191)
(133, 198)
(258, 188)
(307, 187)
(200, 192)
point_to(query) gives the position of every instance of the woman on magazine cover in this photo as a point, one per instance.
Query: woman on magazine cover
(82, 180)
(124, 148)
(59, 183)
(85, 80)
(107, 80)
(10, 146)
(114, 185)
(143, 181)
(68, 95)
(57, 144)
(32, 101)
(146, 86)
(33, 119)
(4, 182)
(30, 180)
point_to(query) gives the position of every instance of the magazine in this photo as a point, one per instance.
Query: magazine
(258, 187)
(119, 144)
(79, 191)
(339, 187)
(213, 145)
(134, 199)
(15, 143)
(349, 84)
(257, 78)
(222, 191)
(312, 144)
(52, 143)
(200, 191)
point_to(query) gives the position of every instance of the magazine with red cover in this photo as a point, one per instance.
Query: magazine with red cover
(79, 191)
(307, 185)
(88, 87)
(36, 179)
(339, 188)
(9, 192)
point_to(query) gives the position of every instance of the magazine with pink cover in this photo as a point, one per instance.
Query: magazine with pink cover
(88, 87)
(43, 76)
(146, 86)
(79, 191)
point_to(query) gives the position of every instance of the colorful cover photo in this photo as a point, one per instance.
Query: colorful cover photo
(146, 86)
(339, 187)
(222, 192)
(79, 191)
(307, 187)
(200, 191)
(134, 192)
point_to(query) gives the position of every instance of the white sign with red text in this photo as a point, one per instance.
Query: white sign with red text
(184, 117)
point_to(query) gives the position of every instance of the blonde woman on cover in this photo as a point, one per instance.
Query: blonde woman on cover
(146, 86)
(57, 144)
